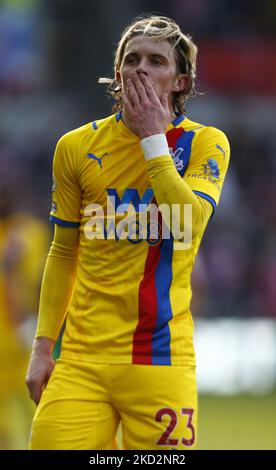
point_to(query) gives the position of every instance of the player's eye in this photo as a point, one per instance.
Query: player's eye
(131, 60)
(157, 61)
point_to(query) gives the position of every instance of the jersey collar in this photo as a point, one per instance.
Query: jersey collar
(177, 120)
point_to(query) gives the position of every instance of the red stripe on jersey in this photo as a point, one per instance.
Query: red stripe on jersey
(173, 136)
(142, 338)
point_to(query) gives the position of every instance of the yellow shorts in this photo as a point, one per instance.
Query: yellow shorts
(84, 403)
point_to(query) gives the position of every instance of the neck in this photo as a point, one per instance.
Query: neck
(125, 119)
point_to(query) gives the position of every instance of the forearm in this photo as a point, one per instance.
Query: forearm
(169, 188)
(58, 283)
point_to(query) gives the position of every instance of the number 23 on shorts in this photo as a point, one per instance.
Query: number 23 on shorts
(165, 439)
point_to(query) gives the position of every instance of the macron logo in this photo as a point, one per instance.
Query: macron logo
(98, 159)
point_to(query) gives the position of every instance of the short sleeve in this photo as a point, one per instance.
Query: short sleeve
(66, 192)
(208, 164)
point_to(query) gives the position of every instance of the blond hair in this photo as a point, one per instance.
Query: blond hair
(158, 28)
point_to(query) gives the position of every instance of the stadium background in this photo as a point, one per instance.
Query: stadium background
(51, 55)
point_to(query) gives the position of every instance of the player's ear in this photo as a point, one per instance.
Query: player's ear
(118, 76)
(118, 81)
(181, 82)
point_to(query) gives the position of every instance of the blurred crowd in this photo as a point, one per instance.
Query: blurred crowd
(51, 55)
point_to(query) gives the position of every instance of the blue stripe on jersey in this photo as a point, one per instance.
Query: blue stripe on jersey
(119, 116)
(178, 120)
(161, 337)
(208, 198)
(64, 223)
(185, 142)
(94, 125)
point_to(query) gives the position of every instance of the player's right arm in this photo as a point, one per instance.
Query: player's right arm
(56, 291)
(61, 265)
(40, 367)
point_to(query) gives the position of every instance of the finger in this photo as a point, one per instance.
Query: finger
(140, 89)
(127, 104)
(35, 393)
(150, 90)
(48, 375)
(132, 94)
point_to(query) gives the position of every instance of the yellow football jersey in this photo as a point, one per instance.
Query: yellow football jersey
(132, 296)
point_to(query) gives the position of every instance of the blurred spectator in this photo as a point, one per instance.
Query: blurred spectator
(21, 61)
(24, 241)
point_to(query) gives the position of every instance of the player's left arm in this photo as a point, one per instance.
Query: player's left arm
(203, 179)
(148, 116)
(171, 189)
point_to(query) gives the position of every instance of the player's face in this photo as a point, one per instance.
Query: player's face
(157, 60)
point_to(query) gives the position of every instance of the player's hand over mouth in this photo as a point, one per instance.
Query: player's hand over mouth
(144, 112)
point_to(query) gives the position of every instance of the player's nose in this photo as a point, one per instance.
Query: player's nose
(142, 67)
(139, 72)
(142, 72)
